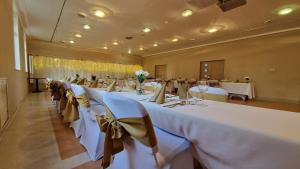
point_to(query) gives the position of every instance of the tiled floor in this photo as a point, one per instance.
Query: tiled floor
(38, 139)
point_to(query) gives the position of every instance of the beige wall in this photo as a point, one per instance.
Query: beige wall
(17, 80)
(43, 48)
(272, 61)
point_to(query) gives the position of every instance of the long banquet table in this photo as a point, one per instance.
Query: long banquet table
(230, 136)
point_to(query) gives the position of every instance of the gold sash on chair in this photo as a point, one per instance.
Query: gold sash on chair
(139, 128)
(71, 111)
(210, 96)
(63, 99)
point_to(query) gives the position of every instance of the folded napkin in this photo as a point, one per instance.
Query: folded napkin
(159, 96)
(94, 84)
(128, 86)
(75, 80)
(182, 90)
(81, 82)
(111, 87)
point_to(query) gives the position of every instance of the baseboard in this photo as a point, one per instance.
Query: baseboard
(11, 118)
(278, 100)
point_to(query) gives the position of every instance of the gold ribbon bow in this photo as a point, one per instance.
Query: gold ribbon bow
(71, 111)
(139, 128)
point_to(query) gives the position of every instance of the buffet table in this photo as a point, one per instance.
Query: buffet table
(242, 89)
(229, 136)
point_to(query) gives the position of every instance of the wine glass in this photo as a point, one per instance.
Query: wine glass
(202, 88)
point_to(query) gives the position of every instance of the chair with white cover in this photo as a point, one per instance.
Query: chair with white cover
(169, 152)
(78, 125)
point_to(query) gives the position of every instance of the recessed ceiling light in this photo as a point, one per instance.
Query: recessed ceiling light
(71, 41)
(105, 47)
(129, 51)
(155, 44)
(175, 40)
(141, 48)
(99, 13)
(285, 11)
(115, 43)
(146, 30)
(212, 30)
(187, 13)
(87, 27)
(78, 35)
(166, 22)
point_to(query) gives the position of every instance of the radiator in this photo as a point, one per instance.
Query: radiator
(3, 102)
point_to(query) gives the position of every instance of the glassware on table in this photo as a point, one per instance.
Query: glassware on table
(202, 88)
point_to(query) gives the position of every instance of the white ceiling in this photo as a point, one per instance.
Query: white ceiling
(129, 17)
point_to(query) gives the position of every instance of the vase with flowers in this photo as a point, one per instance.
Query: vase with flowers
(141, 76)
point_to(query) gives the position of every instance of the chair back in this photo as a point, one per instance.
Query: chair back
(123, 107)
(77, 90)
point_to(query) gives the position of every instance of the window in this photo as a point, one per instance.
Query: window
(16, 39)
(25, 53)
(31, 64)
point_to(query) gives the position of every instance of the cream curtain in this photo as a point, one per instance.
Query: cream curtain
(57, 68)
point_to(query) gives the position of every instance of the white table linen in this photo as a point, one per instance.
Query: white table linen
(239, 88)
(211, 90)
(230, 136)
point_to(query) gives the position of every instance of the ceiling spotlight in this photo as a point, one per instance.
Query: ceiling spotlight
(78, 35)
(87, 27)
(141, 48)
(285, 11)
(71, 41)
(175, 40)
(146, 30)
(187, 13)
(105, 47)
(155, 44)
(99, 13)
(129, 51)
(115, 43)
(212, 30)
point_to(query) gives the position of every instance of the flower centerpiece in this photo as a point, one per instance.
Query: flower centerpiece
(141, 76)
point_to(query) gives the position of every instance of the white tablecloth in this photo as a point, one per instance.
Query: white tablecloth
(211, 90)
(230, 136)
(239, 88)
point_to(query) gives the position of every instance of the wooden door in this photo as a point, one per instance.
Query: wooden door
(161, 72)
(212, 69)
(3, 102)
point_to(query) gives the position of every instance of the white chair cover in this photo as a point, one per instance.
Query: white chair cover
(174, 152)
(92, 138)
(78, 125)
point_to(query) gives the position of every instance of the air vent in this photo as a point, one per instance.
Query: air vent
(128, 37)
(227, 5)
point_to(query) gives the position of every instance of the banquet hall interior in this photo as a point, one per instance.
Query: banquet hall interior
(149, 84)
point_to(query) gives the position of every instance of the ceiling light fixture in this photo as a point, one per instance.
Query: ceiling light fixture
(99, 13)
(187, 13)
(175, 40)
(115, 43)
(146, 30)
(129, 51)
(155, 44)
(105, 47)
(71, 41)
(212, 30)
(285, 11)
(86, 27)
(78, 35)
(141, 48)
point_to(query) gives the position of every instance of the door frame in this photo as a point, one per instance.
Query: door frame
(155, 73)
